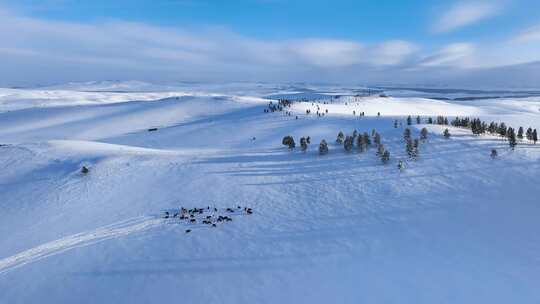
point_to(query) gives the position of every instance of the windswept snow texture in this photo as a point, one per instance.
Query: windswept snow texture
(456, 226)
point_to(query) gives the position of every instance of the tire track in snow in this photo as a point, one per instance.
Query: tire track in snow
(78, 240)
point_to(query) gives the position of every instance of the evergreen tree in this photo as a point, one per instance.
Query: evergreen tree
(361, 143)
(409, 120)
(340, 138)
(534, 136)
(308, 140)
(401, 165)
(377, 139)
(423, 134)
(529, 134)
(409, 148)
(430, 120)
(288, 141)
(303, 143)
(416, 146)
(385, 157)
(502, 129)
(520, 133)
(446, 133)
(407, 133)
(323, 147)
(446, 121)
(418, 121)
(493, 127)
(348, 143)
(511, 138)
(380, 150)
(367, 140)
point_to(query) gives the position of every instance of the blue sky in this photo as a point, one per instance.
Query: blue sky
(268, 40)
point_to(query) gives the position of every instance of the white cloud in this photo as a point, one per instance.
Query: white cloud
(34, 50)
(393, 52)
(456, 55)
(464, 14)
(325, 52)
(531, 34)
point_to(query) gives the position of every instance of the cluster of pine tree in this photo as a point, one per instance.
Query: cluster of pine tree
(289, 142)
(281, 104)
(412, 147)
(479, 127)
(304, 142)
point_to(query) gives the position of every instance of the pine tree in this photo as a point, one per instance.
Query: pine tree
(407, 133)
(385, 157)
(493, 127)
(409, 148)
(534, 136)
(529, 134)
(446, 133)
(418, 121)
(288, 141)
(423, 134)
(401, 165)
(340, 138)
(303, 143)
(416, 146)
(380, 150)
(430, 120)
(360, 143)
(409, 120)
(367, 140)
(377, 139)
(502, 129)
(520, 133)
(348, 143)
(323, 147)
(512, 138)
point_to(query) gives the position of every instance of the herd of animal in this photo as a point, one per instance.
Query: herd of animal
(208, 216)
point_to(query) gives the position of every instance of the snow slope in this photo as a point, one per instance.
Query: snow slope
(455, 227)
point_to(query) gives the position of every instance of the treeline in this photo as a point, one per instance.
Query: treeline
(354, 141)
(478, 127)
(279, 106)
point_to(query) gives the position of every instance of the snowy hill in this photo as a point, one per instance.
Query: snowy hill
(455, 226)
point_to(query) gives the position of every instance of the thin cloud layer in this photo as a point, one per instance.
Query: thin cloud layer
(37, 51)
(464, 14)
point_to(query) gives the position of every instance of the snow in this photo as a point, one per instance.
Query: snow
(454, 227)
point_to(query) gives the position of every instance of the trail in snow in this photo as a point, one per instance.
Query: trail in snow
(78, 240)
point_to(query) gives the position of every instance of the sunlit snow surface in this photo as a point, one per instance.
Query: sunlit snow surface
(454, 227)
